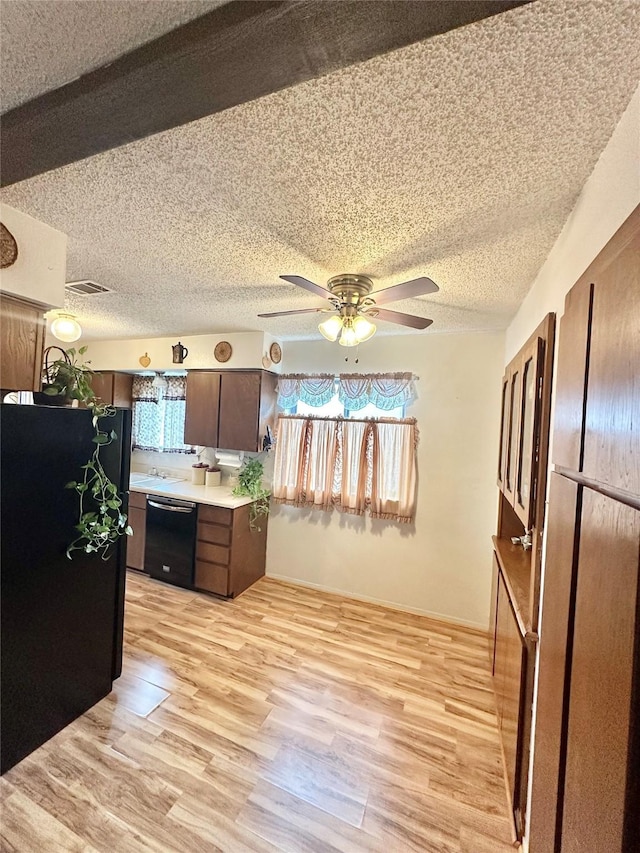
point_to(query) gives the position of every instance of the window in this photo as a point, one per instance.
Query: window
(158, 415)
(344, 443)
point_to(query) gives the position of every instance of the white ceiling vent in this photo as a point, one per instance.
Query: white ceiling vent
(86, 287)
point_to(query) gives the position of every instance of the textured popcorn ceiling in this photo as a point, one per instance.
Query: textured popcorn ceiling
(459, 158)
(46, 43)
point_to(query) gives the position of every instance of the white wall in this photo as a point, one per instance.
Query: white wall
(607, 199)
(248, 350)
(40, 269)
(441, 565)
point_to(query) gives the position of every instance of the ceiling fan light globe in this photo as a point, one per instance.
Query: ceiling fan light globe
(363, 328)
(348, 337)
(66, 328)
(330, 328)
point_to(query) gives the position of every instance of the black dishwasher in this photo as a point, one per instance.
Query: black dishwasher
(171, 539)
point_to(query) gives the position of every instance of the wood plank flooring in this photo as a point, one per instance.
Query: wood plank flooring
(286, 720)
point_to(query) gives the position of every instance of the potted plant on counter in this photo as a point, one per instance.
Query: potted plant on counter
(250, 486)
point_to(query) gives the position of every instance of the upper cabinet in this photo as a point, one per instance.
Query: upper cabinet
(22, 331)
(521, 433)
(230, 409)
(113, 388)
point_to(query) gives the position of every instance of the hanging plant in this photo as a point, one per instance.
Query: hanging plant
(250, 485)
(102, 522)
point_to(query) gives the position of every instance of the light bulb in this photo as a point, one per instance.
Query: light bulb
(66, 328)
(363, 328)
(330, 328)
(348, 337)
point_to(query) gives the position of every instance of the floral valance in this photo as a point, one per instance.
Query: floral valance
(386, 391)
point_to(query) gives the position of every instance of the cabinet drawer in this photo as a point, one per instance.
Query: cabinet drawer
(215, 514)
(213, 553)
(138, 499)
(212, 578)
(214, 533)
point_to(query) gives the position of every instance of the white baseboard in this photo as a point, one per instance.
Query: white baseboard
(392, 605)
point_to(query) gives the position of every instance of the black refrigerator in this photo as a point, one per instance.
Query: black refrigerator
(62, 620)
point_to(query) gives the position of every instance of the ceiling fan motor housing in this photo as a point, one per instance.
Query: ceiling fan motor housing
(350, 290)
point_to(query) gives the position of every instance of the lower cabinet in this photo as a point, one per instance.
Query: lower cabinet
(513, 666)
(229, 555)
(138, 521)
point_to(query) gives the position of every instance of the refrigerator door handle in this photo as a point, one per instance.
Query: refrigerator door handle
(168, 508)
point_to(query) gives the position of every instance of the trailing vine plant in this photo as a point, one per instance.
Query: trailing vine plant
(250, 485)
(102, 521)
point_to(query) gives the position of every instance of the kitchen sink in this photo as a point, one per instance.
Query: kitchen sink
(152, 480)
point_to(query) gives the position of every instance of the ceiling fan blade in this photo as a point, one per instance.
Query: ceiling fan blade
(299, 311)
(308, 285)
(406, 290)
(402, 319)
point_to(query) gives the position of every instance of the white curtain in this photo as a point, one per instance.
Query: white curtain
(393, 470)
(353, 465)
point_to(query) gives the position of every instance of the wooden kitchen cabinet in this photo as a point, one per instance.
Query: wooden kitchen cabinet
(229, 555)
(113, 388)
(138, 520)
(522, 471)
(229, 409)
(22, 331)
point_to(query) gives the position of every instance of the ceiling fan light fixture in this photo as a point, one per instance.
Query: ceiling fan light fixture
(331, 327)
(363, 328)
(66, 328)
(348, 338)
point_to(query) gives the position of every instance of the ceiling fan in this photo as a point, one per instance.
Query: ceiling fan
(351, 296)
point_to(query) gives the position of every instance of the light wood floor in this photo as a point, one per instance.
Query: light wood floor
(287, 720)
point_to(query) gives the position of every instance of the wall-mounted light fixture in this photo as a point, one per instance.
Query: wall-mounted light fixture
(66, 328)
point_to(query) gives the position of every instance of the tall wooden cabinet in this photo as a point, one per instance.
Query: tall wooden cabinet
(586, 769)
(229, 409)
(22, 332)
(522, 467)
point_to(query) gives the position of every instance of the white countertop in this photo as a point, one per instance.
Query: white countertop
(187, 491)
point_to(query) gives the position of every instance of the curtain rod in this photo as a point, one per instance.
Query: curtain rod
(349, 420)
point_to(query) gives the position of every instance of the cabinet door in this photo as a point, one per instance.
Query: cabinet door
(136, 543)
(508, 674)
(102, 386)
(504, 431)
(612, 418)
(22, 329)
(600, 772)
(528, 429)
(202, 408)
(511, 467)
(239, 411)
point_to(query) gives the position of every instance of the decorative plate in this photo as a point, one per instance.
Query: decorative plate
(8, 247)
(266, 361)
(275, 352)
(223, 351)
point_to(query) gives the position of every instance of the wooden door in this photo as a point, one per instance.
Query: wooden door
(239, 411)
(528, 432)
(598, 770)
(22, 331)
(202, 408)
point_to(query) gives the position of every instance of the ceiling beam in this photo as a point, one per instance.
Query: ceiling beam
(238, 52)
